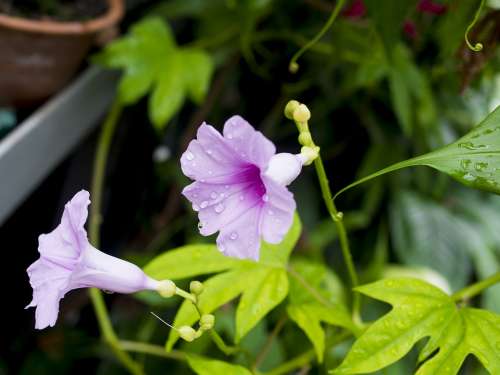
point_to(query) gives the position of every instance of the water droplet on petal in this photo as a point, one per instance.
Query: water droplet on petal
(219, 208)
(221, 247)
(241, 197)
(222, 195)
(265, 198)
(202, 180)
(193, 164)
(195, 195)
(189, 155)
(213, 195)
(209, 152)
(270, 212)
(196, 207)
(233, 236)
(204, 204)
(229, 136)
(210, 173)
(226, 187)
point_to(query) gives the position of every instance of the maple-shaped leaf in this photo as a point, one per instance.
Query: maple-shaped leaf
(152, 63)
(422, 310)
(262, 285)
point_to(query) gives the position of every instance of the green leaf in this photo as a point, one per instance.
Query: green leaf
(205, 366)
(268, 288)
(262, 285)
(425, 233)
(422, 310)
(316, 296)
(471, 160)
(152, 62)
(188, 261)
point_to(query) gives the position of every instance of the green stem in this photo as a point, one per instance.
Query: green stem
(223, 347)
(293, 62)
(474, 289)
(269, 342)
(104, 143)
(344, 242)
(156, 350)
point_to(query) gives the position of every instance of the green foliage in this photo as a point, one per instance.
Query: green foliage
(472, 160)
(421, 310)
(152, 62)
(205, 366)
(316, 297)
(262, 285)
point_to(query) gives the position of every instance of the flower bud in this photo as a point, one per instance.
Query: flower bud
(309, 154)
(290, 108)
(207, 322)
(196, 287)
(305, 138)
(293, 67)
(187, 333)
(166, 288)
(301, 113)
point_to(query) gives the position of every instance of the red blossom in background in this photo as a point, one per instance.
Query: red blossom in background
(431, 7)
(355, 10)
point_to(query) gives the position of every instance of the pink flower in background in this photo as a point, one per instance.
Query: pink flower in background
(355, 10)
(410, 29)
(431, 7)
(68, 261)
(240, 187)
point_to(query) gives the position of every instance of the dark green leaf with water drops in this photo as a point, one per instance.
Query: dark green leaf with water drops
(421, 310)
(473, 160)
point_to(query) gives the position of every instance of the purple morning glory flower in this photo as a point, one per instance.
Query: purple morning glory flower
(240, 187)
(68, 261)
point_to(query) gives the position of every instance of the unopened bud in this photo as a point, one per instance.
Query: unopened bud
(305, 138)
(207, 322)
(196, 287)
(309, 154)
(293, 67)
(301, 113)
(290, 108)
(166, 288)
(187, 333)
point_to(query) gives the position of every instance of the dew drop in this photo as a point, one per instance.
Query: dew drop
(219, 208)
(210, 173)
(233, 236)
(229, 136)
(202, 180)
(193, 164)
(479, 166)
(213, 195)
(196, 207)
(469, 177)
(465, 163)
(195, 195)
(204, 204)
(221, 247)
(265, 198)
(222, 195)
(241, 197)
(270, 212)
(226, 187)
(243, 155)
(209, 152)
(189, 156)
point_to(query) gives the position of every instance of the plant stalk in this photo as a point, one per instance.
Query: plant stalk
(101, 157)
(472, 290)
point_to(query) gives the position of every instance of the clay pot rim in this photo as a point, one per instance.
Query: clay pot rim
(112, 16)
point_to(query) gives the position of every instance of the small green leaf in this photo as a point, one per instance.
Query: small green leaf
(205, 366)
(188, 261)
(422, 310)
(199, 78)
(471, 160)
(268, 288)
(151, 61)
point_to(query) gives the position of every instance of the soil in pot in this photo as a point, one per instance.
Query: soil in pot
(58, 10)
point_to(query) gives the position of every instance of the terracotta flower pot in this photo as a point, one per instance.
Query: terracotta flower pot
(39, 57)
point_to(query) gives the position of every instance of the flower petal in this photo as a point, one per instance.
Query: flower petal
(209, 158)
(64, 245)
(277, 214)
(251, 145)
(241, 238)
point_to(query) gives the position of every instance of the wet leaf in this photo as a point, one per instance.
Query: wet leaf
(421, 310)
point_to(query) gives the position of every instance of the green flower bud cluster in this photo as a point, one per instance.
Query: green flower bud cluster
(167, 288)
(301, 115)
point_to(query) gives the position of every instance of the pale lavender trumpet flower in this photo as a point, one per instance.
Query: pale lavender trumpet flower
(68, 261)
(240, 187)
